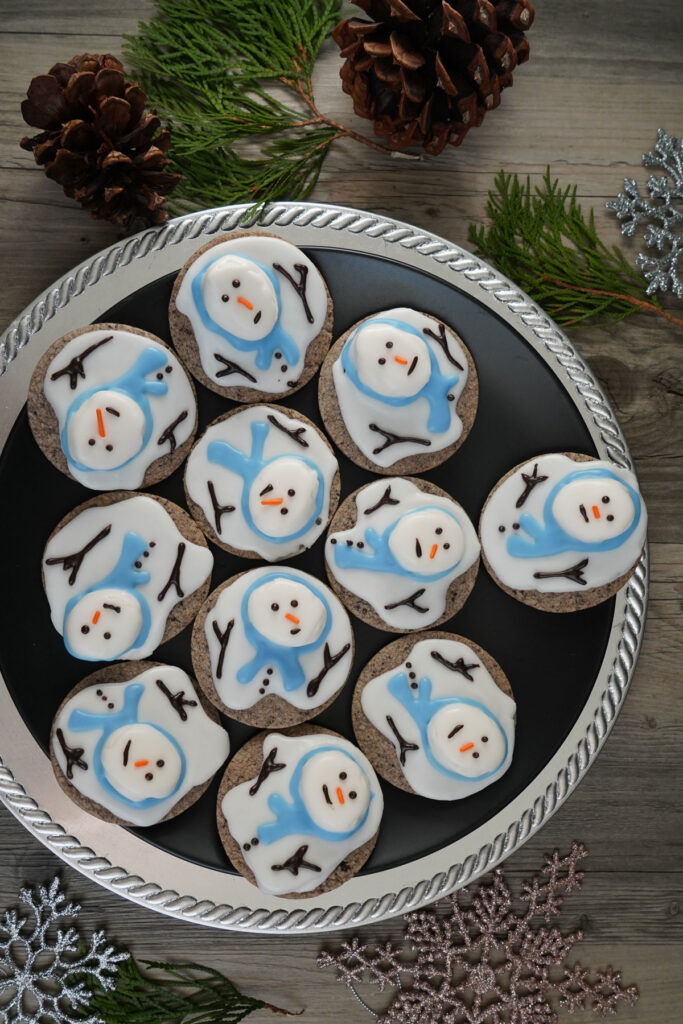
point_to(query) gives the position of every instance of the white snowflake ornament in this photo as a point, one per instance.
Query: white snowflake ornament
(46, 971)
(662, 212)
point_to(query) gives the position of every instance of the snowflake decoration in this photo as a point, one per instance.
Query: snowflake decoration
(47, 973)
(486, 963)
(663, 211)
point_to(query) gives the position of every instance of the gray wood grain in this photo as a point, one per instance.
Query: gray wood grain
(601, 80)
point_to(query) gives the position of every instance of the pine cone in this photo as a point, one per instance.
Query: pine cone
(426, 71)
(99, 142)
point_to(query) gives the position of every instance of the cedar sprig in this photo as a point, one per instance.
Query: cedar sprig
(234, 82)
(181, 994)
(541, 239)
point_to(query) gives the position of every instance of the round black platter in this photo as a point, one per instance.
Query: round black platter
(551, 660)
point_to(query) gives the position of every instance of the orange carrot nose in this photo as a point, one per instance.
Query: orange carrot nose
(245, 302)
(272, 501)
(403, 362)
(435, 548)
(340, 795)
(100, 424)
(596, 511)
(141, 764)
(95, 618)
(293, 618)
(467, 746)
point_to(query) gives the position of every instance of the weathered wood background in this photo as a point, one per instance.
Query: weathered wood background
(602, 78)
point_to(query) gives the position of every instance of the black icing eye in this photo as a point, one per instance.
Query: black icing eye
(294, 604)
(225, 298)
(85, 629)
(342, 775)
(381, 362)
(107, 636)
(475, 754)
(446, 546)
(149, 776)
(235, 284)
(484, 739)
(438, 531)
(353, 795)
(275, 607)
(390, 344)
(291, 492)
(605, 499)
(610, 519)
(168, 369)
(109, 447)
(160, 764)
(91, 441)
(284, 511)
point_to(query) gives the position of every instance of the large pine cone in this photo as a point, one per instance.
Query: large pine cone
(426, 71)
(99, 141)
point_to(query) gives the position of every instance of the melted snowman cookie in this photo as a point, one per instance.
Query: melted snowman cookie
(398, 392)
(133, 744)
(251, 316)
(123, 573)
(262, 482)
(563, 532)
(298, 812)
(272, 647)
(402, 554)
(112, 407)
(436, 717)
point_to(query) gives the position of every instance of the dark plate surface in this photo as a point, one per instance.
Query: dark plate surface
(551, 660)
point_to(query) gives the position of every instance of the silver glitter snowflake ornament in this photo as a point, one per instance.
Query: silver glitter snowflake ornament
(486, 962)
(662, 212)
(46, 971)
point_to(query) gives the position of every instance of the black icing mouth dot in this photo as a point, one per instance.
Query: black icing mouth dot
(515, 526)
(257, 317)
(333, 540)
(160, 376)
(610, 519)
(349, 543)
(138, 565)
(145, 554)
(413, 686)
(501, 529)
(225, 298)
(152, 543)
(85, 629)
(160, 764)
(284, 511)
(409, 664)
(98, 692)
(168, 369)
(254, 841)
(484, 739)
(475, 754)
(360, 544)
(411, 675)
(109, 447)
(278, 355)
(91, 442)
(353, 795)
(247, 847)
(451, 398)
(107, 636)
(269, 671)
(149, 776)
(284, 368)
(381, 361)
(295, 631)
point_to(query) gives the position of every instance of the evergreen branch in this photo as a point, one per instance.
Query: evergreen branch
(184, 994)
(542, 240)
(233, 82)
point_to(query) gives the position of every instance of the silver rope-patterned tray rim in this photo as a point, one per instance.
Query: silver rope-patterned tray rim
(128, 865)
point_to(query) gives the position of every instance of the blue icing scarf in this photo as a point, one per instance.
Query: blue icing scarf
(422, 708)
(124, 576)
(132, 384)
(265, 348)
(110, 722)
(249, 466)
(268, 652)
(435, 390)
(549, 538)
(381, 558)
(294, 819)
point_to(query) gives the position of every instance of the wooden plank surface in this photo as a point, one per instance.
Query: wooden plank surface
(602, 78)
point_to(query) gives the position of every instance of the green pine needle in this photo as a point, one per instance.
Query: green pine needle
(541, 239)
(183, 994)
(233, 82)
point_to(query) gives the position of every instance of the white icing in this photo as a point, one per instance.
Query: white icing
(282, 497)
(422, 775)
(103, 621)
(240, 651)
(240, 297)
(427, 541)
(244, 813)
(205, 745)
(382, 588)
(384, 358)
(257, 288)
(124, 433)
(287, 612)
(281, 476)
(111, 438)
(359, 410)
(602, 567)
(141, 762)
(335, 791)
(139, 514)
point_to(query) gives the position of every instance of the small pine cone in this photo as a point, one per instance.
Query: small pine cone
(99, 142)
(426, 71)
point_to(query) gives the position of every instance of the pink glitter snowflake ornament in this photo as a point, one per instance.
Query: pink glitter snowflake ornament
(486, 962)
